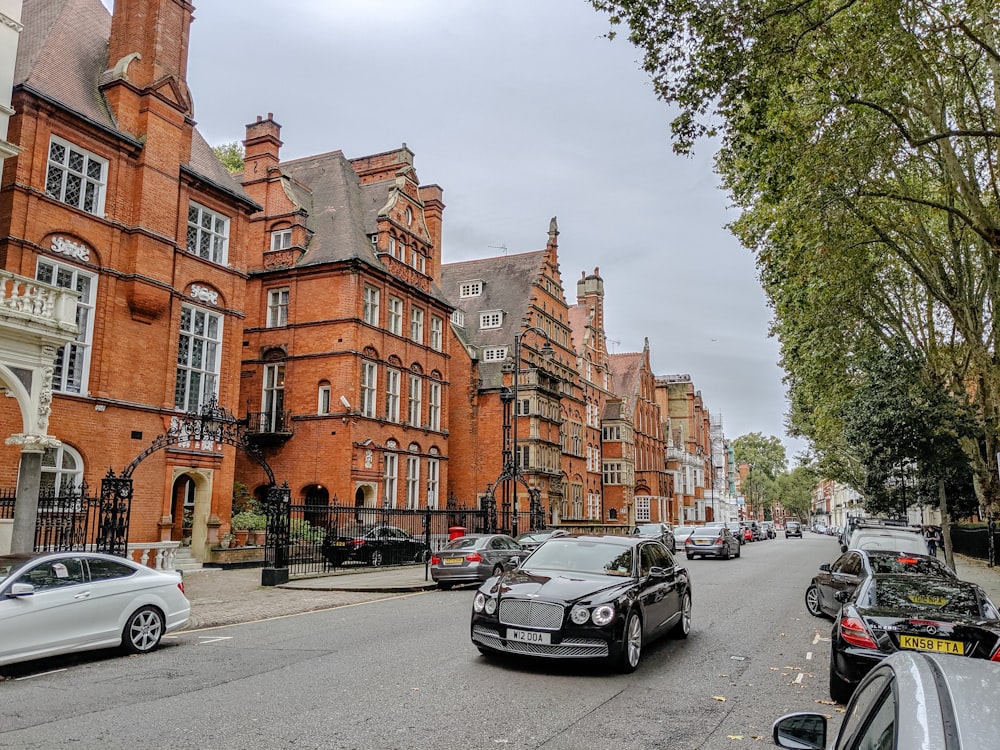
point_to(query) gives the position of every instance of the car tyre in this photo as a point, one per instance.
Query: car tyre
(739, 551)
(689, 556)
(498, 570)
(812, 602)
(445, 585)
(377, 559)
(631, 649)
(728, 553)
(143, 630)
(840, 689)
(683, 626)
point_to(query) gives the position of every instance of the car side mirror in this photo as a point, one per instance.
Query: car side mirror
(21, 589)
(843, 548)
(515, 561)
(825, 566)
(841, 596)
(802, 731)
(657, 572)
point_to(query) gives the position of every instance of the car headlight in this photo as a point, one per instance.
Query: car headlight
(479, 603)
(491, 605)
(579, 615)
(603, 615)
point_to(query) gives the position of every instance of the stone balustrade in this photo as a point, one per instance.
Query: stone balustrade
(158, 555)
(28, 299)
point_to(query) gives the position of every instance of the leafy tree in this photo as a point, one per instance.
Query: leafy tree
(231, 155)
(764, 455)
(860, 142)
(793, 490)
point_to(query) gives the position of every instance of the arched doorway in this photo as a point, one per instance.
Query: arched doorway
(182, 508)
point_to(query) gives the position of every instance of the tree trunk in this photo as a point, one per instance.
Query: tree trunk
(949, 556)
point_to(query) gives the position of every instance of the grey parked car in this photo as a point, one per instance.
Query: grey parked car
(711, 541)
(909, 701)
(474, 558)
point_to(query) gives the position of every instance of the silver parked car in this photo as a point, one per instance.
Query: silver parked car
(62, 602)
(711, 541)
(474, 558)
(910, 701)
(663, 532)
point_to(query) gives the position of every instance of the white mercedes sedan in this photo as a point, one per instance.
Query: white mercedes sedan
(62, 602)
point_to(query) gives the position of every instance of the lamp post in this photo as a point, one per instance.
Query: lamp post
(512, 465)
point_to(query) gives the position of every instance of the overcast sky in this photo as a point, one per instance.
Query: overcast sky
(520, 110)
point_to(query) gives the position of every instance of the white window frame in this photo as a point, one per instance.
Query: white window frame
(56, 471)
(73, 379)
(437, 333)
(433, 482)
(593, 506)
(370, 306)
(392, 381)
(323, 400)
(470, 289)
(413, 482)
(277, 307)
(217, 234)
(415, 398)
(417, 325)
(389, 480)
(203, 346)
(281, 239)
(394, 321)
(369, 388)
(272, 397)
(458, 318)
(613, 472)
(89, 176)
(642, 508)
(494, 353)
(434, 406)
(490, 319)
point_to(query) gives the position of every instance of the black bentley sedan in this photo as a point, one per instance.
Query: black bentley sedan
(585, 597)
(896, 612)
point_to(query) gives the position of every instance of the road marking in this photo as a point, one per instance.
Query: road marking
(809, 655)
(39, 674)
(203, 639)
(798, 678)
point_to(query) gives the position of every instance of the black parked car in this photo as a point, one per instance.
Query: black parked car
(660, 531)
(850, 569)
(793, 528)
(585, 597)
(892, 612)
(372, 545)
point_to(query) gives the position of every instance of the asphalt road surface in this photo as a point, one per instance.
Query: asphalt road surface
(402, 673)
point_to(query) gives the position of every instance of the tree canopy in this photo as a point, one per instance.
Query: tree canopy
(231, 155)
(859, 140)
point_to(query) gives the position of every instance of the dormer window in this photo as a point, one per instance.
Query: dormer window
(458, 318)
(494, 354)
(491, 319)
(470, 289)
(281, 240)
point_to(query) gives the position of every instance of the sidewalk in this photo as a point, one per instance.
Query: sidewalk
(226, 597)
(978, 571)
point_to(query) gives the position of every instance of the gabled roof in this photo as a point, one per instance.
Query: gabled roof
(626, 371)
(62, 54)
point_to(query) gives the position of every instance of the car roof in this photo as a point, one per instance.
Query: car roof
(625, 541)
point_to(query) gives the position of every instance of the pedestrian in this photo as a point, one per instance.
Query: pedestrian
(931, 540)
(938, 539)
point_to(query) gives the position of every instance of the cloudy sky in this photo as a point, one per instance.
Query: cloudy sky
(520, 110)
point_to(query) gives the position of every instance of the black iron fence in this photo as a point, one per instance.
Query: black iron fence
(322, 537)
(70, 520)
(974, 541)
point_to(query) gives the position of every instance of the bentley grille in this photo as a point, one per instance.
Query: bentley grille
(529, 614)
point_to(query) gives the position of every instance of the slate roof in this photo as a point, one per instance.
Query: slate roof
(61, 55)
(507, 286)
(341, 213)
(626, 371)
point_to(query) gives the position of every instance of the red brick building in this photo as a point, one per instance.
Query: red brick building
(652, 487)
(114, 194)
(345, 353)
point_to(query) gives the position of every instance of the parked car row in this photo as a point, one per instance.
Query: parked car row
(885, 595)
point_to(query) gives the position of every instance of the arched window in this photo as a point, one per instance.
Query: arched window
(62, 470)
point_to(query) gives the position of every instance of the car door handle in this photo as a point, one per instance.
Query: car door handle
(84, 595)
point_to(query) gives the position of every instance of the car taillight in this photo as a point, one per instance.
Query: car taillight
(180, 585)
(357, 542)
(996, 655)
(854, 632)
(474, 557)
(435, 560)
(907, 560)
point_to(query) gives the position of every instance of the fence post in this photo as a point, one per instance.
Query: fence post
(278, 510)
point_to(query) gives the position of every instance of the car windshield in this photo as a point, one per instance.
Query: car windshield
(601, 558)
(911, 593)
(649, 529)
(896, 563)
(465, 542)
(683, 530)
(707, 531)
(10, 563)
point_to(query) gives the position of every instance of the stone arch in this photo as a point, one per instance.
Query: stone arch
(365, 495)
(14, 387)
(202, 480)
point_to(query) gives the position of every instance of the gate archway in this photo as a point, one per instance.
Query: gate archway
(209, 425)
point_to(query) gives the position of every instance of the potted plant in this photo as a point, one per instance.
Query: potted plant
(241, 524)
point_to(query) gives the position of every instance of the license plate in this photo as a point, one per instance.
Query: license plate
(931, 644)
(340, 544)
(528, 636)
(454, 560)
(702, 541)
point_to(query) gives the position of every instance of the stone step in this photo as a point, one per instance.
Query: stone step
(184, 560)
